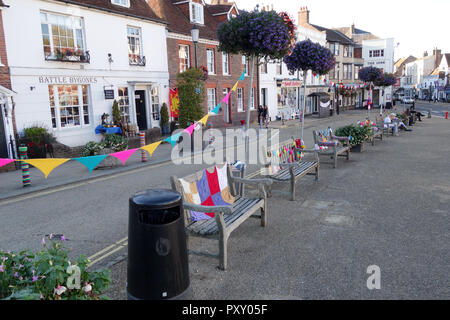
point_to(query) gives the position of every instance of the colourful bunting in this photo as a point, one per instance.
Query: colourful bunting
(151, 147)
(46, 166)
(4, 162)
(235, 86)
(173, 139)
(242, 77)
(190, 129)
(227, 98)
(204, 120)
(91, 162)
(124, 155)
(216, 110)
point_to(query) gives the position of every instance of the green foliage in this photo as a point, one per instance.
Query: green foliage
(112, 141)
(403, 117)
(359, 134)
(38, 135)
(191, 102)
(164, 115)
(43, 275)
(117, 115)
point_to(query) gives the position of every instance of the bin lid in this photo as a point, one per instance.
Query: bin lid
(157, 198)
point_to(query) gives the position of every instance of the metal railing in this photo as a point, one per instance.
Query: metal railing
(69, 56)
(137, 60)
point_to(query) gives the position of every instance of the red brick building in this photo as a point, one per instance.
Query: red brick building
(7, 122)
(224, 69)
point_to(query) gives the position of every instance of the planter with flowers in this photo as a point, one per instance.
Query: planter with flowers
(49, 274)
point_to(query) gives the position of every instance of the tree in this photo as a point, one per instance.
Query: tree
(257, 35)
(309, 56)
(117, 115)
(191, 89)
(370, 75)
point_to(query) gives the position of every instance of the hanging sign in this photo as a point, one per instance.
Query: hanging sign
(109, 94)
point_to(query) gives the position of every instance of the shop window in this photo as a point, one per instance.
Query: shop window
(124, 104)
(155, 103)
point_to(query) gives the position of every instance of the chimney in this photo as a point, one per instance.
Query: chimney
(303, 16)
(437, 53)
(352, 30)
(425, 54)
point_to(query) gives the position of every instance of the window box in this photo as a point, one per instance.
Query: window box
(69, 55)
(137, 60)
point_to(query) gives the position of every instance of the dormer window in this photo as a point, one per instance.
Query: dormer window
(196, 12)
(123, 3)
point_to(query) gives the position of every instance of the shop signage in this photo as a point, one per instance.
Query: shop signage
(109, 94)
(291, 84)
(67, 80)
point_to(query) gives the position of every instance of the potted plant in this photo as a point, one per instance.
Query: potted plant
(359, 134)
(165, 128)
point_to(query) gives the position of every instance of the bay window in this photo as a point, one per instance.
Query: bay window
(196, 13)
(69, 105)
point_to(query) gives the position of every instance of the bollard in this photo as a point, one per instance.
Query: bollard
(429, 114)
(26, 179)
(144, 157)
(446, 115)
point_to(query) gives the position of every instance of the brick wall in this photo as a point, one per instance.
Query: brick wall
(217, 81)
(5, 79)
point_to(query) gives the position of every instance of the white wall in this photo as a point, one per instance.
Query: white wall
(103, 33)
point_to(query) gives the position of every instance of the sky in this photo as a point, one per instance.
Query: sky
(417, 25)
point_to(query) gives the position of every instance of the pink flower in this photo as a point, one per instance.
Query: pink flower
(35, 278)
(16, 275)
(63, 238)
(1, 268)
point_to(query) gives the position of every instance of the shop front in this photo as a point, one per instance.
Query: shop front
(73, 106)
(288, 98)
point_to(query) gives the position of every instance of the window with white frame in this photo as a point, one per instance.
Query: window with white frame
(62, 36)
(225, 64)
(240, 99)
(348, 68)
(348, 51)
(357, 68)
(211, 92)
(334, 48)
(69, 105)
(184, 58)
(123, 3)
(196, 12)
(246, 64)
(279, 68)
(155, 103)
(210, 61)
(263, 68)
(134, 45)
(252, 100)
(124, 104)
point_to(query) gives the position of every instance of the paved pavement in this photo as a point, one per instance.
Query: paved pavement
(323, 260)
(437, 109)
(387, 207)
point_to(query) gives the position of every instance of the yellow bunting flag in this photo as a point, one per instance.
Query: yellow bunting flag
(46, 166)
(204, 120)
(151, 147)
(235, 86)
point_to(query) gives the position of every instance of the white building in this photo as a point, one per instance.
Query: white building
(379, 53)
(66, 56)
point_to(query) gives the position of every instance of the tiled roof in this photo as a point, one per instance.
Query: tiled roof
(138, 8)
(334, 35)
(178, 22)
(219, 8)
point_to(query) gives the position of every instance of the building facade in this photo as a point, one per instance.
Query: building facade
(223, 69)
(75, 57)
(7, 124)
(379, 53)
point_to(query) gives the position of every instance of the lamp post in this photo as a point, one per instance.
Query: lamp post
(195, 33)
(338, 68)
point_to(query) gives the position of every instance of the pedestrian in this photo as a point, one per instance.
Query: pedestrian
(260, 113)
(265, 115)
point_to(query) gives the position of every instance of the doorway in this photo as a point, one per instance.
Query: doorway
(3, 143)
(141, 112)
(227, 107)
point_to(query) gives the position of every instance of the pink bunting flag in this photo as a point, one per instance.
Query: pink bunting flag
(190, 129)
(124, 155)
(4, 162)
(227, 97)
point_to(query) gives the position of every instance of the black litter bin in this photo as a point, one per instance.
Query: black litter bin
(157, 253)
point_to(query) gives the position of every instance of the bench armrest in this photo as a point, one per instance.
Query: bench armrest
(206, 209)
(305, 150)
(341, 138)
(328, 144)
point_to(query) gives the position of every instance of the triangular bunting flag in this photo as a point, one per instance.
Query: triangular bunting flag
(124, 155)
(242, 77)
(91, 162)
(4, 162)
(227, 98)
(46, 166)
(235, 86)
(216, 109)
(152, 147)
(190, 129)
(204, 119)
(173, 139)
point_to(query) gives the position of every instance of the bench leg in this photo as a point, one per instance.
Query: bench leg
(335, 160)
(292, 188)
(317, 173)
(348, 154)
(264, 214)
(223, 254)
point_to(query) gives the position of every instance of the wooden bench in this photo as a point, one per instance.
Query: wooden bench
(386, 130)
(333, 146)
(377, 133)
(227, 217)
(283, 164)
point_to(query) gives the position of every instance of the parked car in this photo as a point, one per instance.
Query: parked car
(408, 100)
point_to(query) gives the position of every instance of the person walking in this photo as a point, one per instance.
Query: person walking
(260, 115)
